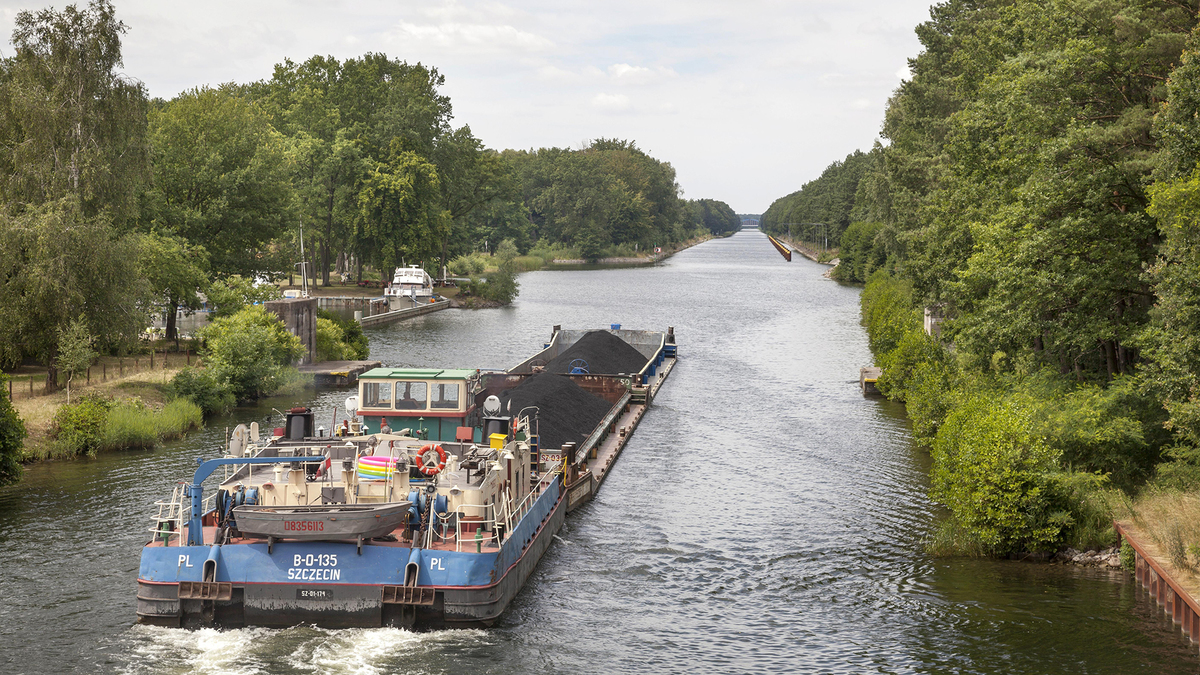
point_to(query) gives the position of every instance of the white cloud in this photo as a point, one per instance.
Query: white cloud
(904, 73)
(459, 35)
(611, 102)
(860, 104)
(623, 73)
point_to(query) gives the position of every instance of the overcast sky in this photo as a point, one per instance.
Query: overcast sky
(746, 99)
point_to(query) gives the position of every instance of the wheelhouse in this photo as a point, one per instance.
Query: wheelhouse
(438, 405)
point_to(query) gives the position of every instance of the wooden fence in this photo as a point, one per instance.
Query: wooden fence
(29, 386)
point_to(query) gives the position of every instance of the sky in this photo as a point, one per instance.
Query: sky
(748, 100)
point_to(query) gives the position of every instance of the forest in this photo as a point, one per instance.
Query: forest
(114, 204)
(1037, 195)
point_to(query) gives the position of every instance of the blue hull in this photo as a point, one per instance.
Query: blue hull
(331, 584)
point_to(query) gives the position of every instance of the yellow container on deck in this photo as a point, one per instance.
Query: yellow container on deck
(497, 441)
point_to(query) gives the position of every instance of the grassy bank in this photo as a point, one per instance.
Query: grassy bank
(148, 387)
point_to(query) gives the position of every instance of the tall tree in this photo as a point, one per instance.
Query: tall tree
(221, 178)
(73, 125)
(400, 216)
(55, 265)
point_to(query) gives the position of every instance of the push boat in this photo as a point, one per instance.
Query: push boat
(437, 523)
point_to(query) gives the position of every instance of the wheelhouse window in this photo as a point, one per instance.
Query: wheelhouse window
(446, 395)
(411, 395)
(377, 395)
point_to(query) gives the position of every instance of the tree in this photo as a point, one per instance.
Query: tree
(502, 286)
(73, 126)
(250, 352)
(55, 264)
(176, 273)
(400, 217)
(233, 294)
(220, 178)
(75, 353)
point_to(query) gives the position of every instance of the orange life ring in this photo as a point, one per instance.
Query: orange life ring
(429, 469)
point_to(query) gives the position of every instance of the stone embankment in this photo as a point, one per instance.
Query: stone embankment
(1109, 557)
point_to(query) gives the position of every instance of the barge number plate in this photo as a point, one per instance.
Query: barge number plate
(314, 567)
(314, 594)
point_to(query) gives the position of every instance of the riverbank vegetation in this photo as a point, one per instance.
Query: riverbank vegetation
(116, 206)
(1052, 241)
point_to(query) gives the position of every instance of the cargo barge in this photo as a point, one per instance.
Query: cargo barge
(433, 519)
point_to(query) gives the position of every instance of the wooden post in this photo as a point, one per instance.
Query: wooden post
(152, 358)
(104, 374)
(31, 385)
(10, 390)
(89, 375)
(188, 352)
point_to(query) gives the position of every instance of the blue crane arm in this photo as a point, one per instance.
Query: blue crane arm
(195, 535)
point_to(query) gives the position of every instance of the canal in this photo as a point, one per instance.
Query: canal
(764, 518)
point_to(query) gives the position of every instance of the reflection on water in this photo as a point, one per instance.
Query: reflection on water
(765, 517)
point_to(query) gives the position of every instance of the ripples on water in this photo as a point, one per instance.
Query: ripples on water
(765, 517)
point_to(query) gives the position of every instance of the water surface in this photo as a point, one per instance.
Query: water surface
(765, 517)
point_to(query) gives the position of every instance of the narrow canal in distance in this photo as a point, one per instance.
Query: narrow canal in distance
(765, 517)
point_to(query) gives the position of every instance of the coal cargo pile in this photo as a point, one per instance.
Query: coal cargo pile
(566, 413)
(603, 352)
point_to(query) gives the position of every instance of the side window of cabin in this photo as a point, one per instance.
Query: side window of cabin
(377, 395)
(445, 395)
(411, 395)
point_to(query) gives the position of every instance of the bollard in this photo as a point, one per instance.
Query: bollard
(479, 538)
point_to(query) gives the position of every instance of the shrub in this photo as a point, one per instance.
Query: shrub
(201, 387)
(250, 351)
(354, 342)
(468, 265)
(330, 344)
(12, 438)
(991, 472)
(80, 426)
(888, 312)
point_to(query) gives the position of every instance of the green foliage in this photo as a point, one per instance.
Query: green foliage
(991, 472)
(56, 264)
(860, 252)
(354, 341)
(331, 344)
(75, 351)
(201, 387)
(1128, 557)
(469, 265)
(73, 125)
(132, 424)
(12, 438)
(502, 285)
(176, 272)
(250, 352)
(79, 428)
(887, 312)
(400, 216)
(829, 199)
(233, 294)
(713, 216)
(608, 193)
(220, 177)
